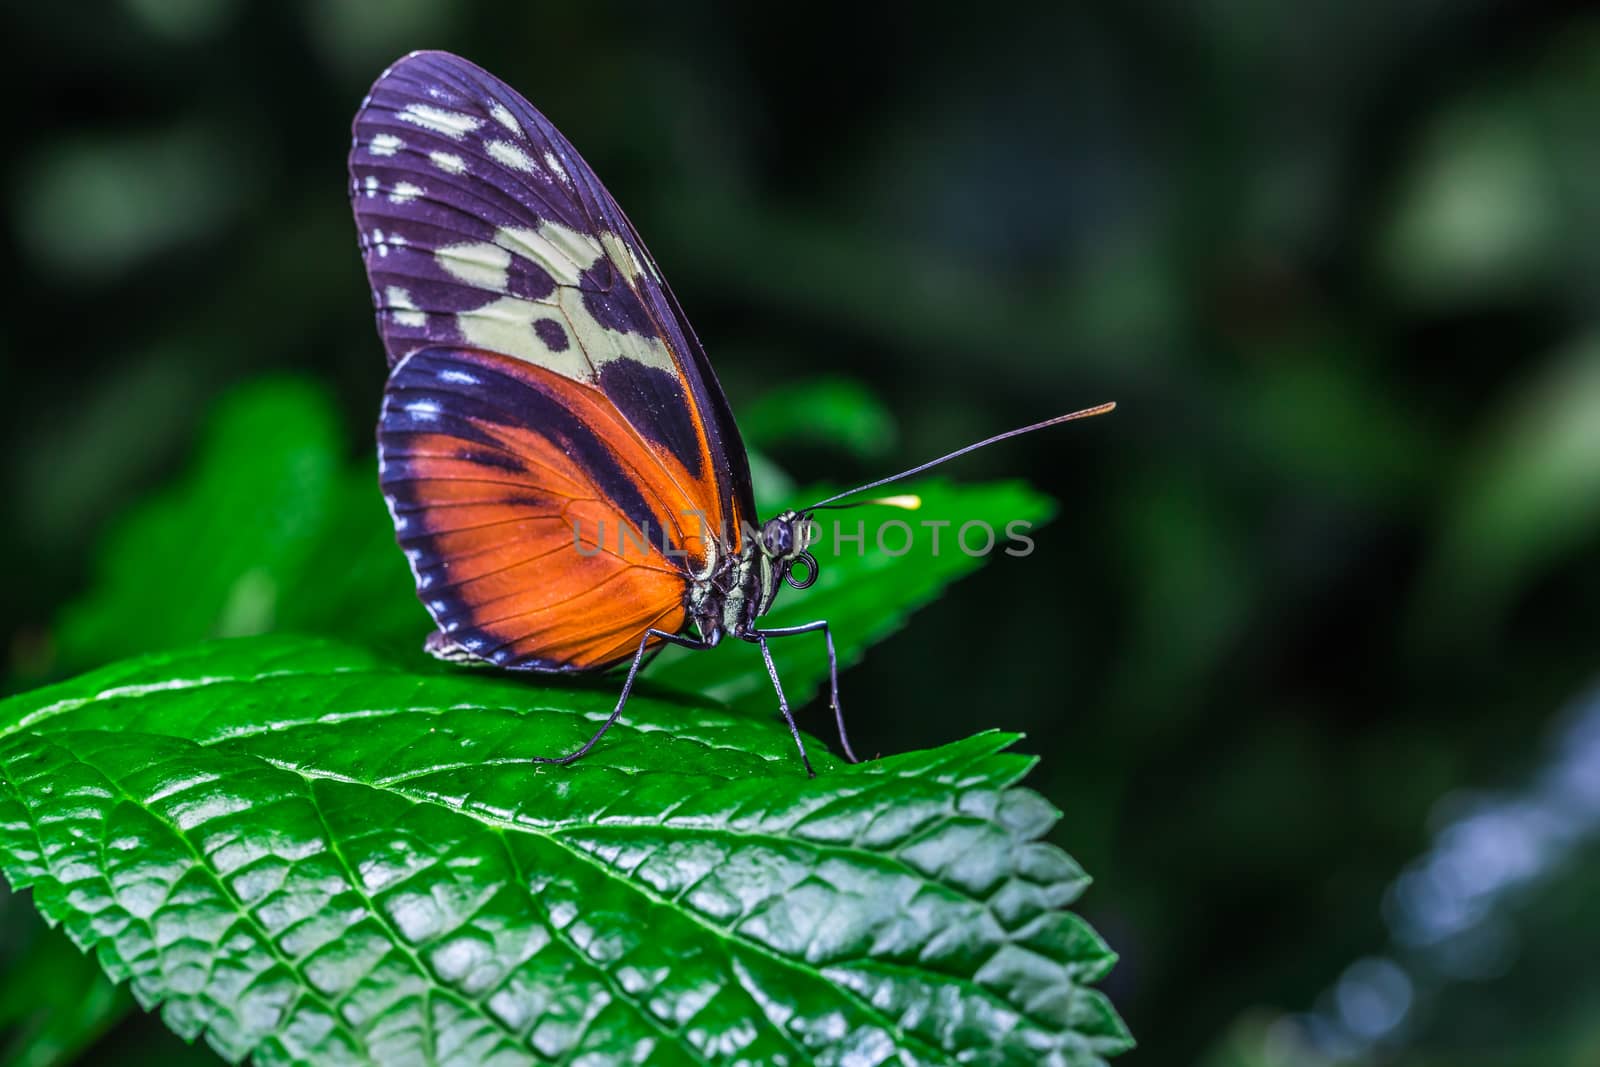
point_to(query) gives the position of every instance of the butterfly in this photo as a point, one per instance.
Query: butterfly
(545, 385)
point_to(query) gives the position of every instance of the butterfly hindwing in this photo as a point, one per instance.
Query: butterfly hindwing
(508, 484)
(482, 228)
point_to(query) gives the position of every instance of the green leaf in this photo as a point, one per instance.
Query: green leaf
(863, 591)
(272, 530)
(303, 853)
(206, 559)
(835, 412)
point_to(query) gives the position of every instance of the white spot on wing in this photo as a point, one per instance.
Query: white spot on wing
(385, 144)
(458, 377)
(506, 326)
(603, 345)
(564, 253)
(423, 410)
(404, 193)
(478, 263)
(385, 241)
(403, 310)
(448, 162)
(371, 185)
(511, 156)
(621, 253)
(504, 117)
(452, 124)
(556, 168)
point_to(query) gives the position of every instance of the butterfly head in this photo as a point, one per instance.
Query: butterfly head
(782, 545)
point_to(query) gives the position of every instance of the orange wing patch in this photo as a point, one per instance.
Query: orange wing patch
(544, 533)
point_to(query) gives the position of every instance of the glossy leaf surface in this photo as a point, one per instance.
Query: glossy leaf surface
(301, 852)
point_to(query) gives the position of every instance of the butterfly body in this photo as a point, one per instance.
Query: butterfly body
(545, 387)
(731, 601)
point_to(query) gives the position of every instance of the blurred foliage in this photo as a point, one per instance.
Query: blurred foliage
(272, 530)
(54, 1002)
(1330, 562)
(1527, 496)
(828, 412)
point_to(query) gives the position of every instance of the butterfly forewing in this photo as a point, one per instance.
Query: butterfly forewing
(481, 226)
(496, 255)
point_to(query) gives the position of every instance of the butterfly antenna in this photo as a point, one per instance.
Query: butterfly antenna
(911, 501)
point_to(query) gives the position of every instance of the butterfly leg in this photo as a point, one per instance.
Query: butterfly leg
(783, 703)
(833, 675)
(627, 688)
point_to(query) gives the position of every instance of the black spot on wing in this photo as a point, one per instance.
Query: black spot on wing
(553, 334)
(653, 400)
(527, 279)
(607, 297)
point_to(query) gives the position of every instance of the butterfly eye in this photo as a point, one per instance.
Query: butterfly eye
(807, 561)
(777, 538)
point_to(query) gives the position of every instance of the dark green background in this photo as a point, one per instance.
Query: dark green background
(1324, 583)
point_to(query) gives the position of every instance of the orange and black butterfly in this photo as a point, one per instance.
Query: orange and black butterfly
(545, 387)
